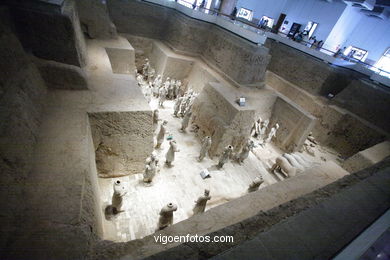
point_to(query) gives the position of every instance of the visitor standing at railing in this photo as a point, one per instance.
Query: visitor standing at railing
(319, 45)
(311, 41)
(203, 4)
(339, 53)
(234, 13)
(314, 45)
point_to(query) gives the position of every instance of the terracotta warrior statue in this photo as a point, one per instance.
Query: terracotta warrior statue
(117, 197)
(272, 133)
(177, 106)
(186, 102)
(156, 116)
(178, 87)
(263, 128)
(256, 128)
(185, 121)
(190, 98)
(140, 80)
(145, 68)
(161, 133)
(226, 154)
(254, 186)
(150, 168)
(162, 96)
(245, 151)
(206, 144)
(156, 85)
(200, 203)
(171, 89)
(167, 83)
(183, 107)
(151, 73)
(170, 156)
(166, 216)
(148, 92)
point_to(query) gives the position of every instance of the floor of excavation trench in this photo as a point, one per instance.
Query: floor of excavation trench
(182, 183)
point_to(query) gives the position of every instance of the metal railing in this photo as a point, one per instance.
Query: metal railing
(248, 25)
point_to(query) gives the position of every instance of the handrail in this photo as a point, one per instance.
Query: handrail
(375, 69)
(303, 42)
(213, 12)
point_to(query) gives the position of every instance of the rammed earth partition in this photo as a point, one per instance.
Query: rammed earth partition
(237, 59)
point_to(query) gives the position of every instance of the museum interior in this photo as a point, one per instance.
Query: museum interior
(263, 125)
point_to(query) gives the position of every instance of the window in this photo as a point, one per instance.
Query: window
(197, 3)
(310, 28)
(189, 3)
(355, 53)
(245, 13)
(383, 65)
(266, 21)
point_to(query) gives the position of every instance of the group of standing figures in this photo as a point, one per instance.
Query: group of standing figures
(151, 164)
(259, 131)
(182, 109)
(170, 89)
(174, 90)
(206, 143)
